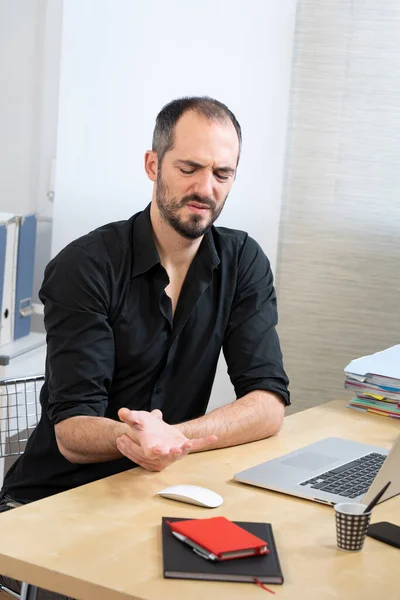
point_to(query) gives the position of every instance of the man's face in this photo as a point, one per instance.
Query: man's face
(196, 176)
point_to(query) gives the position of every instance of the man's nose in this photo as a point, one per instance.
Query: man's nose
(203, 186)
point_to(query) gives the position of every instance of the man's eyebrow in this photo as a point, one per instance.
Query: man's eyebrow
(189, 163)
(196, 165)
(227, 170)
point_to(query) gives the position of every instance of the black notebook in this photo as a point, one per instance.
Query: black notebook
(181, 562)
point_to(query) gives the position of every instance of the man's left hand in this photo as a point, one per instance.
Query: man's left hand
(135, 453)
(156, 439)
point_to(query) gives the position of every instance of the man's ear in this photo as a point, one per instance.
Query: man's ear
(151, 164)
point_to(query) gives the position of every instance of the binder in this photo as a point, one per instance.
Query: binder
(24, 276)
(9, 229)
(3, 242)
(17, 262)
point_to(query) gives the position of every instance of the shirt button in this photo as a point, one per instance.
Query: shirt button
(158, 390)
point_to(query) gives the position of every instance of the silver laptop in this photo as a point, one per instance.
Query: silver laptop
(332, 470)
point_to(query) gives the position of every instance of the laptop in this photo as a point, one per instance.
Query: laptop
(330, 471)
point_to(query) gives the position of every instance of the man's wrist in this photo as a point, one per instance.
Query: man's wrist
(181, 427)
(123, 429)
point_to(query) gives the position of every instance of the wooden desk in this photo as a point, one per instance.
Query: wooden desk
(102, 541)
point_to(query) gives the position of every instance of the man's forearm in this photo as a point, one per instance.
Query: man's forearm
(85, 439)
(254, 417)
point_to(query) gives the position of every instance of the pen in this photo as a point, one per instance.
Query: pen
(375, 500)
(195, 547)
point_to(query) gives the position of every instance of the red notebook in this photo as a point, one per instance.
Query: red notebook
(218, 538)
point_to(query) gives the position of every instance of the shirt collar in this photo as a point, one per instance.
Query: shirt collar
(208, 247)
(145, 254)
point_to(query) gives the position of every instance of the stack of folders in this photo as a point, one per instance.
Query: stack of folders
(375, 380)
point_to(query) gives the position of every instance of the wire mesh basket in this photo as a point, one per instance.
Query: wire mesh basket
(19, 412)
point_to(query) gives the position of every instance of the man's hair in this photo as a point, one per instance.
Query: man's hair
(167, 118)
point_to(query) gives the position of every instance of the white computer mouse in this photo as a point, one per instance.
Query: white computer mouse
(192, 494)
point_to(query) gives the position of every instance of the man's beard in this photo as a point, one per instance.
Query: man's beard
(193, 227)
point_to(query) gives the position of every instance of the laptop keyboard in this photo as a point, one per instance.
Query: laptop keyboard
(349, 480)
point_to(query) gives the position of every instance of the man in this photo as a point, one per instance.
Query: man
(136, 313)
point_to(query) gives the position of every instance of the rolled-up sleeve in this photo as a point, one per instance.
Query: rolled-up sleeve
(80, 342)
(251, 344)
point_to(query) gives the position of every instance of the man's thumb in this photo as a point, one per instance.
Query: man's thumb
(129, 416)
(157, 413)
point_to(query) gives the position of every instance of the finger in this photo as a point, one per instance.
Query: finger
(180, 451)
(123, 413)
(126, 444)
(125, 451)
(183, 454)
(187, 445)
(129, 450)
(157, 413)
(175, 452)
(183, 451)
(131, 417)
(126, 439)
(155, 451)
(155, 465)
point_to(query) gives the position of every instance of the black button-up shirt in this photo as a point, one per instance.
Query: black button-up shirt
(112, 341)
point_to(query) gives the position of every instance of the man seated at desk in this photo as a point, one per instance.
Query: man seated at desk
(136, 313)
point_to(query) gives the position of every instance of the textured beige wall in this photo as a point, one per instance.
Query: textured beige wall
(338, 272)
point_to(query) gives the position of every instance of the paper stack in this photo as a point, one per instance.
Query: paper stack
(375, 379)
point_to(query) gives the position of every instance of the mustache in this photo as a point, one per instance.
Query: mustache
(201, 200)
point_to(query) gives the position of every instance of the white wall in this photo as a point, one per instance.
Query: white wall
(48, 75)
(30, 34)
(30, 40)
(19, 26)
(123, 60)
(44, 148)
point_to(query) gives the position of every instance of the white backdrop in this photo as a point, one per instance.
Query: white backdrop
(123, 60)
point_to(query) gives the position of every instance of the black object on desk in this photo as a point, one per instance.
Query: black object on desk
(180, 562)
(385, 532)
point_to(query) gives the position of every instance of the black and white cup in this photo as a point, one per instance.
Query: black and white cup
(351, 525)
